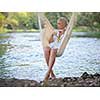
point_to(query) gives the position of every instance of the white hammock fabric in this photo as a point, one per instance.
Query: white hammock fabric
(46, 30)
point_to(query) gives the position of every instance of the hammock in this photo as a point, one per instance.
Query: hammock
(46, 30)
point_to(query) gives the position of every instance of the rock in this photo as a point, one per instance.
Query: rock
(64, 84)
(97, 75)
(81, 81)
(69, 79)
(54, 85)
(78, 85)
(92, 84)
(74, 79)
(86, 80)
(33, 84)
(85, 75)
(67, 84)
(65, 79)
(92, 76)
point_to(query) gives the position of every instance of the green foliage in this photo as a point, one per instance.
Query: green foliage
(53, 16)
(85, 21)
(26, 20)
(90, 20)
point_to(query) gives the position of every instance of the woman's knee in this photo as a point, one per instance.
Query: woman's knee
(47, 49)
(53, 52)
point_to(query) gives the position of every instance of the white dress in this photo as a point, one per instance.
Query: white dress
(56, 43)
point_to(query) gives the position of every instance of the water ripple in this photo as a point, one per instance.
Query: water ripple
(22, 57)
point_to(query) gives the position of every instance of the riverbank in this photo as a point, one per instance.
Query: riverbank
(78, 33)
(86, 80)
(86, 34)
(17, 31)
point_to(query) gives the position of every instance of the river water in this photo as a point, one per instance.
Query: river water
(21, 56)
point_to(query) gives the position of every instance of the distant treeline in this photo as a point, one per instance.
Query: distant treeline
(88, 21)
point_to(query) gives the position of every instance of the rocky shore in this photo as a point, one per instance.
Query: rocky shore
(86, 80)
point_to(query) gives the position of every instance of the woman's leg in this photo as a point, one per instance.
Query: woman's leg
(47, 56)
(51, 62)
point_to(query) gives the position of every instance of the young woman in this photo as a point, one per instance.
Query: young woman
(54, 42)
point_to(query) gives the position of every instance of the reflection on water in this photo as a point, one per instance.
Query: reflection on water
(21, 56)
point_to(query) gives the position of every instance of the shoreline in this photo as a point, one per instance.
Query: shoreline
(85, 80)
(74, 33)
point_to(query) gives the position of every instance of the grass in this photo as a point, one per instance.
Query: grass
(82, 29)
(88, 30)
(75, 29)
(90, 34)
(94, 34)
(17, 30)
(4, 37)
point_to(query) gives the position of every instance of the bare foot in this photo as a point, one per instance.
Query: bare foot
(53, 76)
(46, 77)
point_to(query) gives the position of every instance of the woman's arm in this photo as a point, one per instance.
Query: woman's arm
(51, 39)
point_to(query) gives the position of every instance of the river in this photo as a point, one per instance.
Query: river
(21, 57)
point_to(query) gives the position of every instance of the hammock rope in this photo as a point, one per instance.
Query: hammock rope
(46, 30)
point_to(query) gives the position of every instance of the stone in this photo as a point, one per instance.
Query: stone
(64, 84)
(74, 78)
(85, 75)
(92, 84)
(65, 79)
(86, 80)
(97, 75)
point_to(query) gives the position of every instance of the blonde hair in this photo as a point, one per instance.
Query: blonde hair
(64, 20)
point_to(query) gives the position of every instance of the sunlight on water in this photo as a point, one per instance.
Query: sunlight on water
(21, 56)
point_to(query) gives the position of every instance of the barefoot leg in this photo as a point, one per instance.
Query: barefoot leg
(51, 62)
(47, 51)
